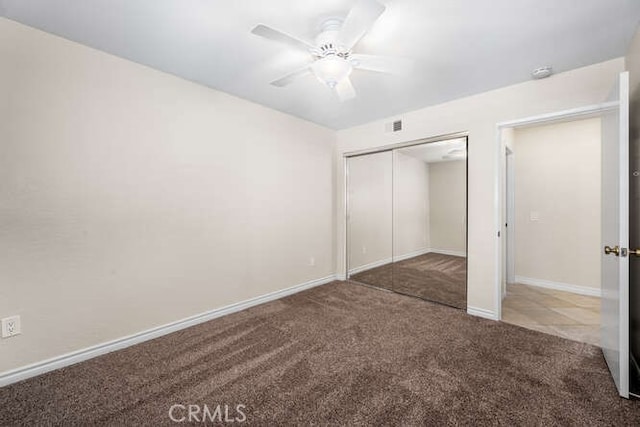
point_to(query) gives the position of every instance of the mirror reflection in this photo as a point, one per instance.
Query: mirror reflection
(407, 220)
(430, 222)
(370, 219)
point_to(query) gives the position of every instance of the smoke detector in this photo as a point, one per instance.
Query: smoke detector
(542, 72)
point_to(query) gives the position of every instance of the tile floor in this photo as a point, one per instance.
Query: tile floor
(572, 316)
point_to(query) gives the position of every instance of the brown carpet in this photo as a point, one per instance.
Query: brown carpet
(380, 277)
(339, 354)
(434, 277)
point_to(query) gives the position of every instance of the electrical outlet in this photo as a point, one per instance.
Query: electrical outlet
(10, 326)
(364, 249)
(312, 261)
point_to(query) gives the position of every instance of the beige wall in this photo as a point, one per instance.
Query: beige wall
(632, 60)
(131, 198)
(106, 227)
(479, 115)
(447, 201)
(557, 202)
(371, 210)
(411, 204)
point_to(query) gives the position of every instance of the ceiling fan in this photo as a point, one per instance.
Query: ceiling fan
(333, 59)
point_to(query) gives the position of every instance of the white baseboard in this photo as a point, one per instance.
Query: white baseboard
(371, 265)
(558, 286)
(448, 252)
(411, 254)
(32, 370)
(481, 312)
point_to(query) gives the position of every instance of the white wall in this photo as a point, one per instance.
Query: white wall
(448, 204)
(557, 181)
(130, 198)
(478, 115)
(411, 204)
(371, 210)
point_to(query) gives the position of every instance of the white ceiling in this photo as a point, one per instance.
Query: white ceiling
(461, 47)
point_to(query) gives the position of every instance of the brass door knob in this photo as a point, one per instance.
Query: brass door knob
(612, 250)
(635, 252)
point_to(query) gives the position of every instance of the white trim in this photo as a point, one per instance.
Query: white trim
(574, 113)
(371, 265)
(347, 218)
(559, 286)
(481, 312)
(448, 252)
(32, 370)
(411, 254)
(623, 227)
(497, 223)
(411, 143)
(510, 208)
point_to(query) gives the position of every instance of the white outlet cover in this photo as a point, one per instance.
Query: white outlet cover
(10, 326)
(534, 216)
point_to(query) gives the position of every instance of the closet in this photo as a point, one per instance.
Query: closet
(407, 219)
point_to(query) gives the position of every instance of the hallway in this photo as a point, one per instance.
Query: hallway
(564, 314)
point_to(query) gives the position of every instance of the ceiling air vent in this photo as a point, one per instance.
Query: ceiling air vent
(395, 126)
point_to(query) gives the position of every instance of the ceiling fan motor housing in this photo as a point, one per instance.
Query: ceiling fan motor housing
(327, 41)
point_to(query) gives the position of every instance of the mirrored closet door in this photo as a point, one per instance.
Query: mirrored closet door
(430, 222)
(370, 219)
(407, 220)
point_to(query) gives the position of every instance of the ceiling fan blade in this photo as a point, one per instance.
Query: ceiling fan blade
(359, 20)
(289, 78)
(382, 64)
(345, 90)
(281, 37)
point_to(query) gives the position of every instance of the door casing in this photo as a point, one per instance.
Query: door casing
(595, 110)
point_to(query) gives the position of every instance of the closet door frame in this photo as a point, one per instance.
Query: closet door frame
(391, 147)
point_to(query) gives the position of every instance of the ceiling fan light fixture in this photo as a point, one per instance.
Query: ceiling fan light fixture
(331, 70)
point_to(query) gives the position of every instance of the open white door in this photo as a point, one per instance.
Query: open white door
(615, 235)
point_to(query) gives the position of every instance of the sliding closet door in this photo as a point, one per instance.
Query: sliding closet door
(369, 220)
(430, 222)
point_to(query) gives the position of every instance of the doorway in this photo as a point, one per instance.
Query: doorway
(614, 255)
(552, 228)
